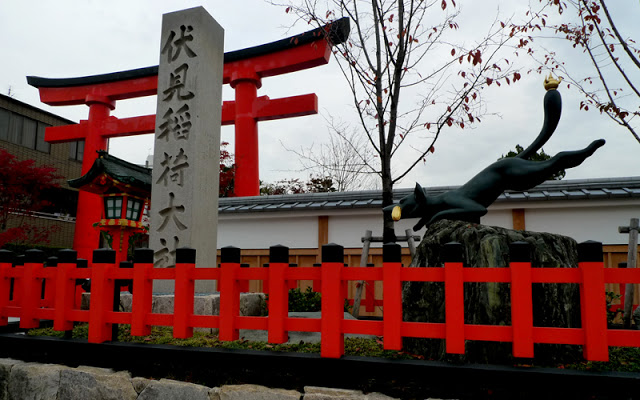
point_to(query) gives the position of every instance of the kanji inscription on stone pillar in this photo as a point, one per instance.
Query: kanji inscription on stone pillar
(184, 197)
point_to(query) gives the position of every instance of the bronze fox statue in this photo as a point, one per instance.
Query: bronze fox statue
(470, 201)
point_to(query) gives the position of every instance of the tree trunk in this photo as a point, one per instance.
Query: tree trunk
(388, 231)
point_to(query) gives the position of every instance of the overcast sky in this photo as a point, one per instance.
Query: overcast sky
(66, 38)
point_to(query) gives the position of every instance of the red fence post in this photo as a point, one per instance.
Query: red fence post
(332, 337)
(31, 288)
(101, 295)
(65, 290)
(243, 286)
(454, 297)
(48, 285)
(6, 261)
(80, 288)
(81, 263)
(392, 289)
(184, 292)
(142, 295)
(229, 293)
(370, 294)
(593, 301)
(278, 294)
(521, 299)
(117, 290)
(317, 283)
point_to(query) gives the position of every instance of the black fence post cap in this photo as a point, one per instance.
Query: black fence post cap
(452, 252)
(52, 261)
(590, 251)
(391, 252)
(82, 263)
(230, 254)
(34, 256)
(67, 256)
(332, 253)
(7, 256)
(104, 256)
(279, 254)
(520, 251)
(186, 255)
(143, 256)
(126, 264)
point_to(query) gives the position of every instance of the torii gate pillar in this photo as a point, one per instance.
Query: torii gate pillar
(99, 111)
(247, 180)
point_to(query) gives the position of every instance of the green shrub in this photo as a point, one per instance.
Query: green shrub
(307, 301)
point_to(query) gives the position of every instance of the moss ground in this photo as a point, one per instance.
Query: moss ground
(624, 359)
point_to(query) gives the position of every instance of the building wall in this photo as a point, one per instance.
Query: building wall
(62, 234)
(581, 220)
(584, 221)
(502, 218)
(58, 156)
(263, 231)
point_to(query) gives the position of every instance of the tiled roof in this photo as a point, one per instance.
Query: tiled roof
(578, 189)
(117, 169)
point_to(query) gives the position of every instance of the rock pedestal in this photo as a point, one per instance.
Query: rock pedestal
(554, 305)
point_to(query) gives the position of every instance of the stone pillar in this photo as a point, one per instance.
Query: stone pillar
(184, 197)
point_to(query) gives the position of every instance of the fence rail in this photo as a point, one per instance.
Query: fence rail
(58, 302)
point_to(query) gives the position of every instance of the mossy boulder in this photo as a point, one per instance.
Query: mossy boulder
(554, 305)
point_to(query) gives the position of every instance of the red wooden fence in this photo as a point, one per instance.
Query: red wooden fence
(58, 303)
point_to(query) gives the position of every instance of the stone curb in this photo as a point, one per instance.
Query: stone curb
(23, 380)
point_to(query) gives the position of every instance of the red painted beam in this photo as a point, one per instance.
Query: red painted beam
(120, 90)
(287, 107)
(281, 62)
(112, 127)
(269, 109)
(266, 110)
(66, 133)
(117, 127)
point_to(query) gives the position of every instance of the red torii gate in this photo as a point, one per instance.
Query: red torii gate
(243, 70)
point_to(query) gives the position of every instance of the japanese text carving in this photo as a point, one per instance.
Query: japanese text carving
(170, 214)
(174, 46)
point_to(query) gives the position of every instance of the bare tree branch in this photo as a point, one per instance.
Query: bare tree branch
(406, 71)
(598, 38)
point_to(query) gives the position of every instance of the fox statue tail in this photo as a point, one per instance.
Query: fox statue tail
(552, 110)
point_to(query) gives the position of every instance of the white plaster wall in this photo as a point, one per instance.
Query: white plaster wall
(501, 218)
(582, 220)
(348, 229)
(583, 223)
(260, 232)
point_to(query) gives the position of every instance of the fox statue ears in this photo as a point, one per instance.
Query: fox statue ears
(418, 194)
